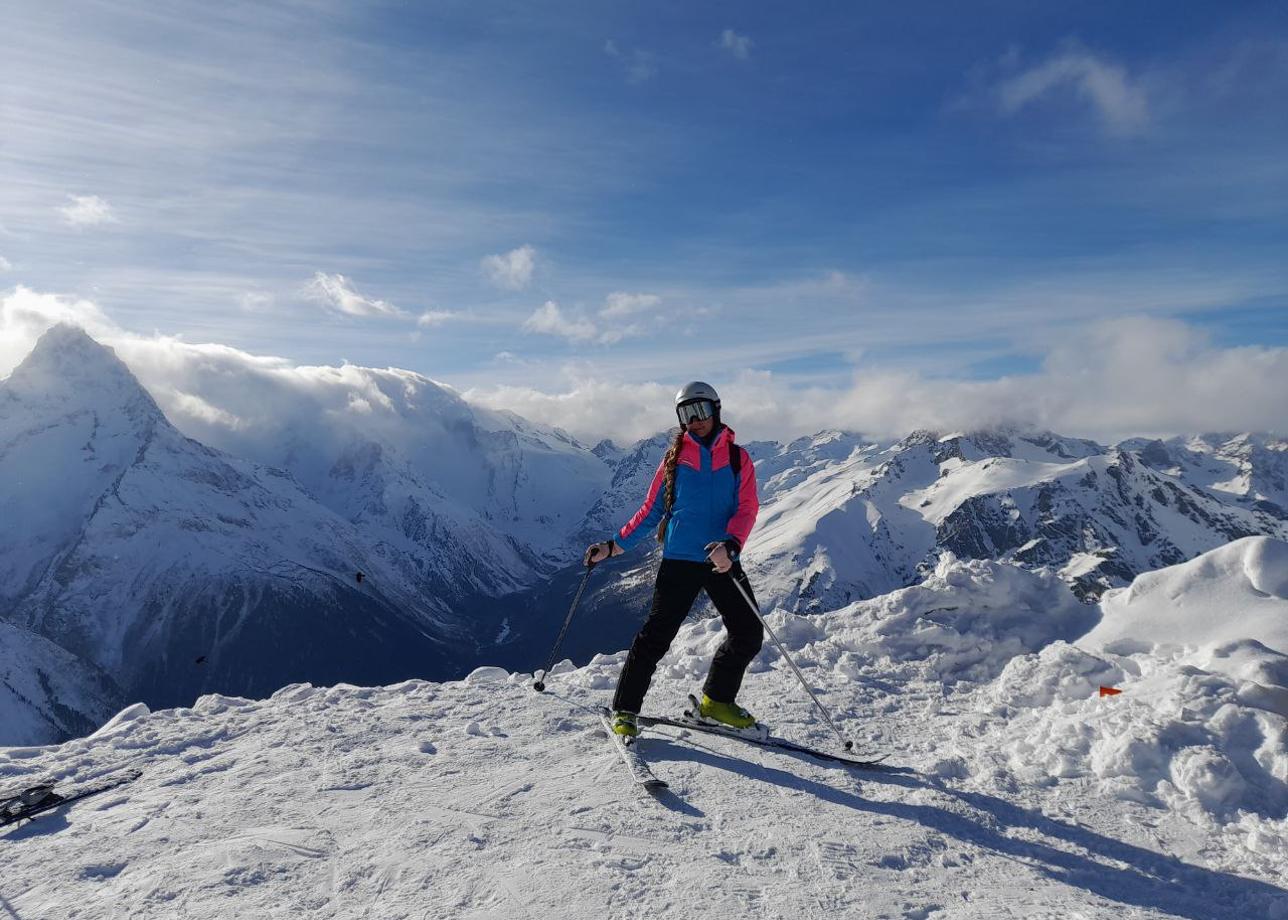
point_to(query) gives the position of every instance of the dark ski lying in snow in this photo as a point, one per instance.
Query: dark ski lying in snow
(640, 771)
(770, 741)
(36, 800)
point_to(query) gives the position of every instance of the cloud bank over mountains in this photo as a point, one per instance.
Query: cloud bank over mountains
(1114, 378)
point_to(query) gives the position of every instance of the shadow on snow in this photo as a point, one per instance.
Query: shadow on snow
(1144, 878)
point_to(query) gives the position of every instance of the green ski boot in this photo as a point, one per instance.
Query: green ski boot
(730, 714)
(624, 724)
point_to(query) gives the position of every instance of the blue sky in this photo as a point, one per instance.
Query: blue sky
(563, 197)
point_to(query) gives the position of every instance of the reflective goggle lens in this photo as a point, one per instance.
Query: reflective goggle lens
(699, 410)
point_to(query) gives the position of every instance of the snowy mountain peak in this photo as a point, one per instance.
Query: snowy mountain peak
(1009, 441)
(69, 368)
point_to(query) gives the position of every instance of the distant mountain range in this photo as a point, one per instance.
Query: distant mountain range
(423, 536)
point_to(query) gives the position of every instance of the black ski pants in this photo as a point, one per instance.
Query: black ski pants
(677, 586)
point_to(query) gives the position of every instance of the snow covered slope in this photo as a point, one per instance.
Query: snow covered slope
(48, 694)
(486, 499)
(178, 569)
(1013, 788)
(1252, 468)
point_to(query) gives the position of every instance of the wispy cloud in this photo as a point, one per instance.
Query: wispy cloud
(273, 191)
(738, 45)
(619, 304)
(338, 293)
(255, 301)
(1119, 101)
(5, 264)
(434, 318)
(548, 319)
(639, 66)
(512, 270)
(87, 211)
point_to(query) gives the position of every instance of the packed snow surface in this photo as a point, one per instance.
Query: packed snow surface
(1013, 788)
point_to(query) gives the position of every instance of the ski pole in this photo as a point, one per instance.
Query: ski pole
(540, 683)
(849, 745)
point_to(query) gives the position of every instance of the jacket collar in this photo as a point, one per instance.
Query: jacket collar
(725, 432)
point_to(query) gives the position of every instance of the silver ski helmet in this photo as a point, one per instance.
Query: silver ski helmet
(697, 400)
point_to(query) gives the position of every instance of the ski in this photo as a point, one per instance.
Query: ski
(768, 741)
(639, 768)
(36, 800)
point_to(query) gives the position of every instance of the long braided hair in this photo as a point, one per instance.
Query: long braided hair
(668, 500)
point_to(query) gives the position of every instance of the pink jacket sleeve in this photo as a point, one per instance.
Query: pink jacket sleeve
(744, 518)
(649, 516)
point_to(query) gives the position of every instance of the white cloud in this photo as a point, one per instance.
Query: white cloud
(87, 211)
(738, 45)
(191, 406)
(26, 314)
(255, 301)
(1121, 104)
(337, 292)
(548, 319)
(512, 270)
(639, 66)
(5, 265)
(434, 318)
(615, 334)
(1115, 378)
(1119, 378)
(620, 303)
(597, 409)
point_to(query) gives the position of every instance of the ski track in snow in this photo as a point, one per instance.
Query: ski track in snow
(483, 799)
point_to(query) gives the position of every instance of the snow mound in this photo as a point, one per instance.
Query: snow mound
(968, 619)
(1236, 592)
(1060, 673)
(1201, 724)
(1225, 612)
(1177, 736)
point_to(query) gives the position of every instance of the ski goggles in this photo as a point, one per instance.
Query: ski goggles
(696, 411)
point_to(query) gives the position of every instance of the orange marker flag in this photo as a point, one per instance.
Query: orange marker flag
(1109, 691)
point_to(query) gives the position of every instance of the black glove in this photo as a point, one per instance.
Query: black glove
(598, 552)
(722, 554)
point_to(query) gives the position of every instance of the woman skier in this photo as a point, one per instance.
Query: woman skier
(702, 504)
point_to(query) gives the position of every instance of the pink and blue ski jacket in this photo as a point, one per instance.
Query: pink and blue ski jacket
(709, 505)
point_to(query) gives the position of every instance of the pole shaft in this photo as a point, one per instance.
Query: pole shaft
(567, 621)
(788, 658)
